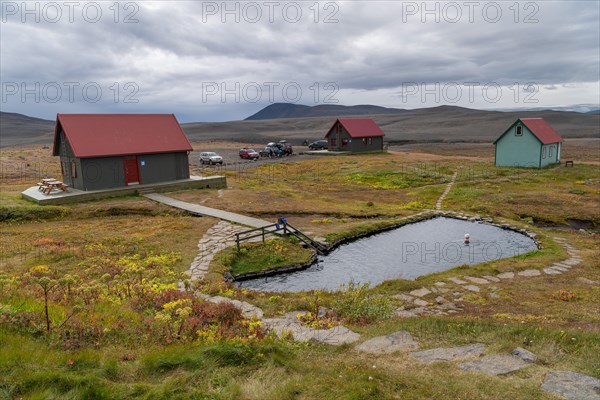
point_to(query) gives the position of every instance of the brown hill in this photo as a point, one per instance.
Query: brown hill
(438, 124)
(18, 129)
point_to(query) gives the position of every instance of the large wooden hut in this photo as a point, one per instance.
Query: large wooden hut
(103, 151)
(528, 142)
(356, 135)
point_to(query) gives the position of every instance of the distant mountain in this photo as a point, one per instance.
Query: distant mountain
(580, 108)
(435, 124)
(288, 110)
(19, 129)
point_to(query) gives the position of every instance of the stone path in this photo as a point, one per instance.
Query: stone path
(209, 212)
(443, 296)
(218, 237)
(336, 336)
(438, 204)
(248, 310)
(397, 341)
(449, 354)
(572, 386)
(495, 365)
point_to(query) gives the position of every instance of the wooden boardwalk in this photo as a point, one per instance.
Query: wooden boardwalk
(209, 212)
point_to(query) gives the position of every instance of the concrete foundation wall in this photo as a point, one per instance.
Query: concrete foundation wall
(33, 194)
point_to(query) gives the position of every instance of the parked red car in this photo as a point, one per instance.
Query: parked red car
(287, 148)
(249, 154)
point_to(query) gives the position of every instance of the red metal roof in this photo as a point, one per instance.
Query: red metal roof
(542, 130)
(359, 127)
(105, 135)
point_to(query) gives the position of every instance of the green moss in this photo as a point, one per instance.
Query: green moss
(256, 257)
(32, 213)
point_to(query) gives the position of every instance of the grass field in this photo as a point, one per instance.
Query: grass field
(257, 257)
(116, 326)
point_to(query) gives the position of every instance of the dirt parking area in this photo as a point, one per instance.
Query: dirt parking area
(233, 162)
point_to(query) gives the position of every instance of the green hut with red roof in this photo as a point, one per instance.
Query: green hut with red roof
(529, 143)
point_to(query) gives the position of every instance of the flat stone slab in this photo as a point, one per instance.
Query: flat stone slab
(529, 272)
(472, 288)
(524, 355)
(248, 310)
(421, 303)
(403, 297)
(406, 314)
(397, 341)
(559, 264)
(588, 281)
(495, 365)
(491, 278)
(450, 306)
(336, 336)
(506, 275)
(420, 292)
(420, 311)
(449, 354)
(457, 281)
(572, 261)
(572, 385)
(479, 281)
(552, 271)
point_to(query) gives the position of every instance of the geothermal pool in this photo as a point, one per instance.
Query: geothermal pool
(406, 252)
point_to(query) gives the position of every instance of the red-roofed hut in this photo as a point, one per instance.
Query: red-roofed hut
(103, 151)
(528, 142)
(357, 135)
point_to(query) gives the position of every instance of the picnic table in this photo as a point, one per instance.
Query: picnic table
(47, 185)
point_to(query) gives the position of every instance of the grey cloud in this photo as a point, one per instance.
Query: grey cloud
(171, 52)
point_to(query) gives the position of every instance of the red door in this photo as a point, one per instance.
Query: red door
(132, 172)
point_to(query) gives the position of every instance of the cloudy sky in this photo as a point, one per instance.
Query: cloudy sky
(218, 61)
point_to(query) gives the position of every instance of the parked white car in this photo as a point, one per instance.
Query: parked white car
(210, 157)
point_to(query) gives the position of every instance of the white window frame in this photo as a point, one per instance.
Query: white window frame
(519, 130)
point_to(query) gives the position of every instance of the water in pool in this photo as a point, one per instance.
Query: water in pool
(404, 253)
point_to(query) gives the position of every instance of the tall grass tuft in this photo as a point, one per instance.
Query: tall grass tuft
(356, 305)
